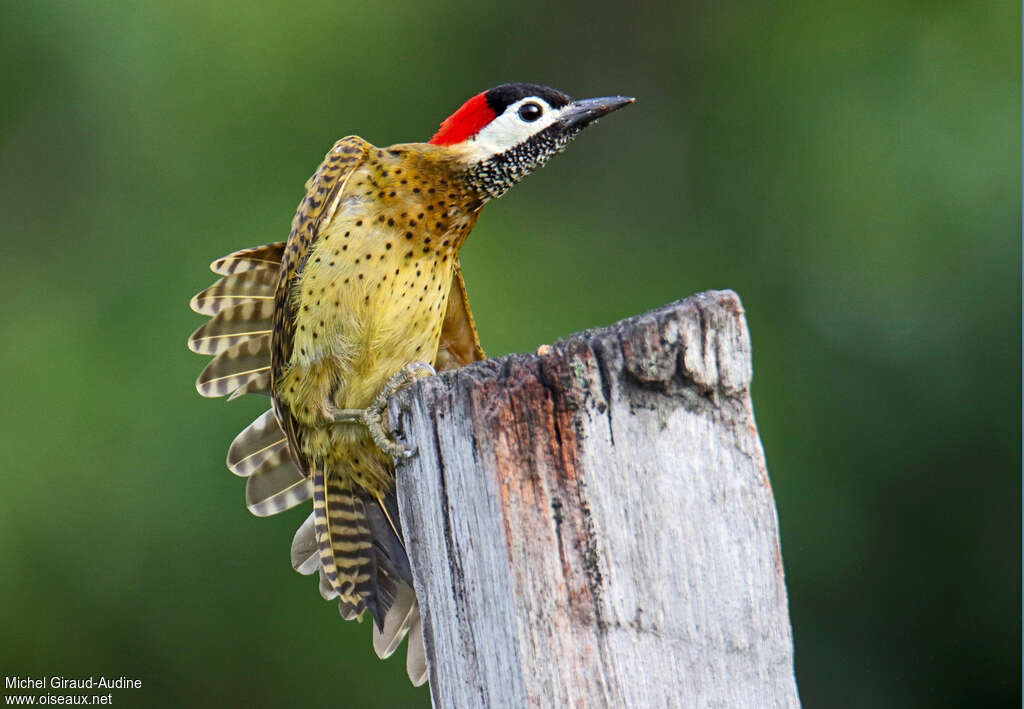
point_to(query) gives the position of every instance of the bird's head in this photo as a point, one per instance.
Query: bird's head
(501, 135)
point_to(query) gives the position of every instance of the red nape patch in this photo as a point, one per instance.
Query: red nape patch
(464, 123)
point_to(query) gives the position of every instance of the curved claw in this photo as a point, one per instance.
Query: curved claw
(384, 442)
(373, 415)
(402, 379)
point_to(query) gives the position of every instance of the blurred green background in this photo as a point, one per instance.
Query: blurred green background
(851, 169)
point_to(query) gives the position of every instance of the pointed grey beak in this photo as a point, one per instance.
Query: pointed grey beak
(579, 114)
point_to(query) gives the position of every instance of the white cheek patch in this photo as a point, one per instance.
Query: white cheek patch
(508, 130)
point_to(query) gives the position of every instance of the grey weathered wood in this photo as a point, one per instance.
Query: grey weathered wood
(594, 526)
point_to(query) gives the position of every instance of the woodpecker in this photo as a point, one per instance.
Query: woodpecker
(366, 295)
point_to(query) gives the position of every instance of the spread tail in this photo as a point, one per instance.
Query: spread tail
(354, 540)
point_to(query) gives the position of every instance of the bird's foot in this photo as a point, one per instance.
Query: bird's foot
(373, 415)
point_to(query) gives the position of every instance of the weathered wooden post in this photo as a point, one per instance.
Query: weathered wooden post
(594, 526)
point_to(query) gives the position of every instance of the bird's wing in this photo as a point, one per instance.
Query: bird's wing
(460, 343)
(324, 191)
(252, 322)
(238, 335)
(241, 304)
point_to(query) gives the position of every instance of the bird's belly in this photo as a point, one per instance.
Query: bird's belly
(364, 312)
(359, 320)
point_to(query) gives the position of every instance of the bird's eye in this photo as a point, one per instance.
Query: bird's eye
(530, 112)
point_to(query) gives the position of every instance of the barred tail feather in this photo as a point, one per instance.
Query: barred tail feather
(238, 366)
(267, 256)
(240, 323)
(242, 306)
(257, 384)
(329, 593)
(276, 486)
(259, 441)
(344, 542)
(360, 551)
(245, 286)
(274, 482)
